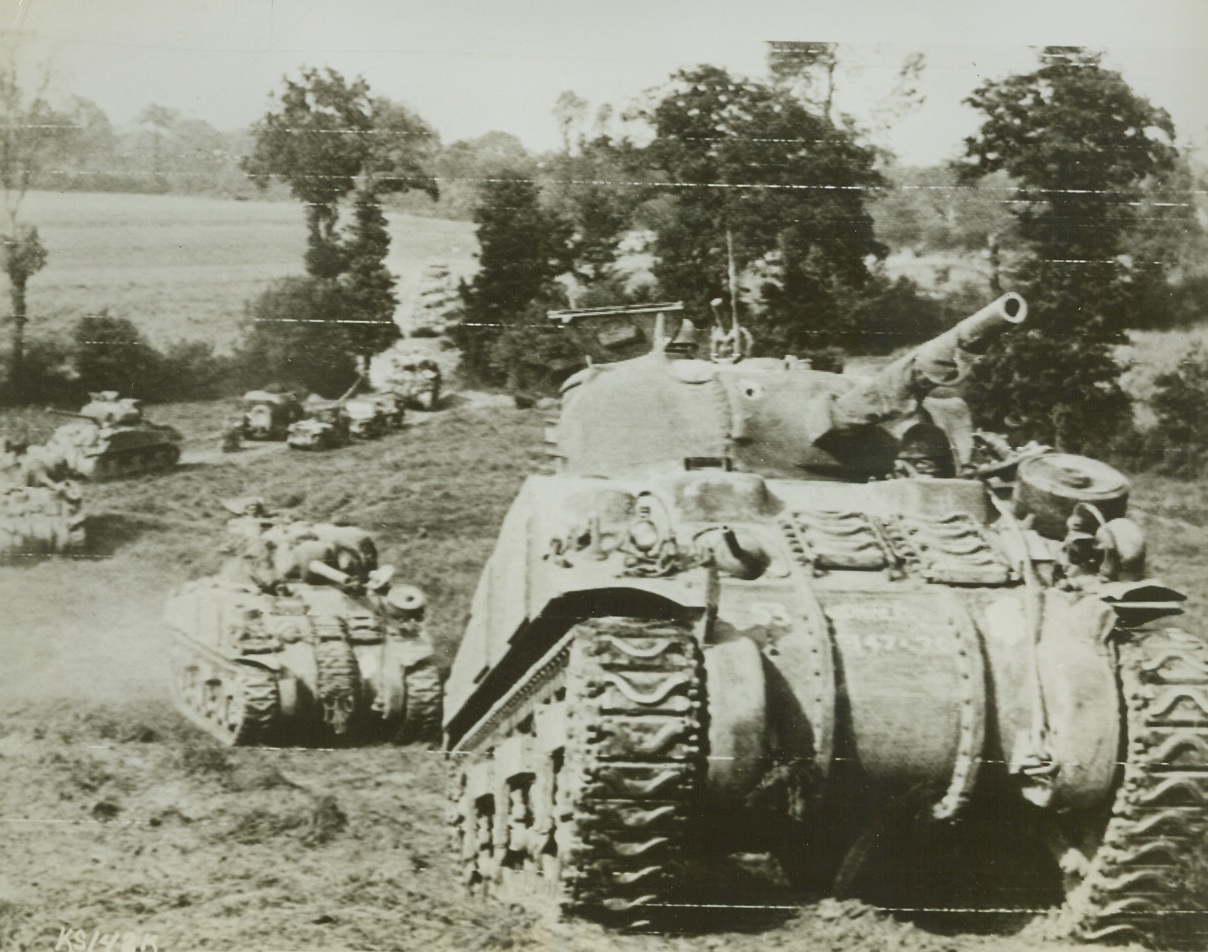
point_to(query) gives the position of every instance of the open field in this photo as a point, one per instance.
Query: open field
(116, 815)
(182, 267)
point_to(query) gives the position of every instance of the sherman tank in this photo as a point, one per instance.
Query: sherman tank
(765, 610)
(110, 438)
(303, 639)
(39, 515)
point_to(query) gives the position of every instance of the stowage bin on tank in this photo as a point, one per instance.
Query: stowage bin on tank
(762, 610)
(303, 639)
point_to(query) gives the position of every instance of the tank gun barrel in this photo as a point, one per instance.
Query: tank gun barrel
(910, 378)
(323, 570)
(71, 413)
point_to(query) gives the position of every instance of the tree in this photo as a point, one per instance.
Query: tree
(1081, 145)
(570, 112)
(32, 135)
(326, 138)
(329, 139)
(523, 247)
(787, 185)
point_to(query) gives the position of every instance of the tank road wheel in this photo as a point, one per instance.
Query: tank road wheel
(1149, 875)
(421, 706)
(337, 687)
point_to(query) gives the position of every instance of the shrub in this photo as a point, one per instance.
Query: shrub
(296, 338)
(1178, 443)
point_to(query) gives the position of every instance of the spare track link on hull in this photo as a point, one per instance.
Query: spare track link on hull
(236, 704)
(338, 687)
(600, 825)
(1147, 880)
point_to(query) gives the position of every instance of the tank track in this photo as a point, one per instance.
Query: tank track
(1147, 879)
(239, 708)
(422, 708)
(337, 684)
(600, 826)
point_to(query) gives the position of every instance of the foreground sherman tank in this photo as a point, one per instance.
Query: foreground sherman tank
(110, 438)
(758, 610)
(303, 639)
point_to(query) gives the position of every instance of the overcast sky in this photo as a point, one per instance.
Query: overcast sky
(470, 66)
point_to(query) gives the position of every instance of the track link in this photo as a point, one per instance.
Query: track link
(599, 826)
(1148, 878)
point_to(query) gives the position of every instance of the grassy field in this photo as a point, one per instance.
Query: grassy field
(182, 267)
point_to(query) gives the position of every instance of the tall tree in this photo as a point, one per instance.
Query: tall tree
(523, 247)
(1081, 144)
(788, 185)
(32, 135)
(329, 139)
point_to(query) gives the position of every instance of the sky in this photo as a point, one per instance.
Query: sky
(471, 66)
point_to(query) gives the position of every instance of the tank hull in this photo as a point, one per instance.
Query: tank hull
(887, 673)
(307, 668)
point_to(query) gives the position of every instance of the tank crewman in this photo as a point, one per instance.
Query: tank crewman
(925, 451)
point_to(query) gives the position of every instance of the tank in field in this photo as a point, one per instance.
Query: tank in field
(39, 514)
(109, 438)
(766, 609)
(303, 639)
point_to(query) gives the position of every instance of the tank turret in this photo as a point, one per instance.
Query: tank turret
(757, 612)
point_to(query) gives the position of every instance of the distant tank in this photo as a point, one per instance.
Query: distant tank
(39, 514)
(268, 415)
(326, 426)
(766, 609)
(110, 438)
(303, 640)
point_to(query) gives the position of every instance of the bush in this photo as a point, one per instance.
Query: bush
(296, 337)
(111, 354)
(1178, 443)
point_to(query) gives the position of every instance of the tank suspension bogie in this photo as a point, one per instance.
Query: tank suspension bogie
(237, 704)
(580, 796)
